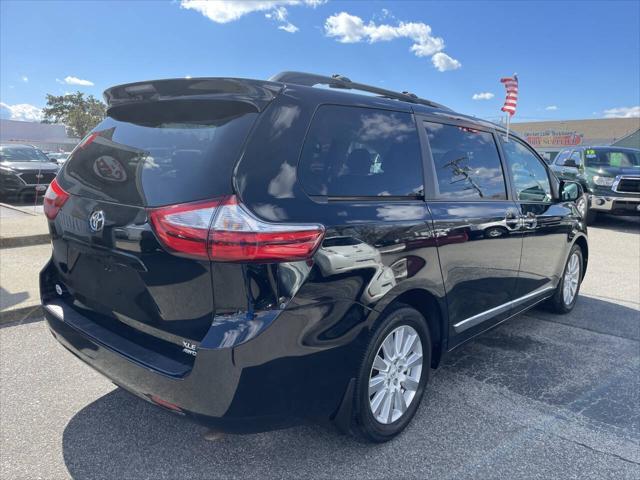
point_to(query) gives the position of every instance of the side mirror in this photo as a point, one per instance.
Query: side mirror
(570, 162)
(570, 191)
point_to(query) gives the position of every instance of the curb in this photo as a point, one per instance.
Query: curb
(25, 241)
(21, 315)
(18, 209)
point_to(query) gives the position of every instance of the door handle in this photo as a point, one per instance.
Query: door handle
(530, 220)
(512, 219)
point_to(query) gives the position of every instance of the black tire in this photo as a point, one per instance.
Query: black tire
(582, 205)
(365, 425)
(557, 303)
(588, 215)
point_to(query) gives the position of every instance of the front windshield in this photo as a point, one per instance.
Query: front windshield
(611, 158)
(22, 154)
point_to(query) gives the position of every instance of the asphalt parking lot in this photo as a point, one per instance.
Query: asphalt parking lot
(541, 396)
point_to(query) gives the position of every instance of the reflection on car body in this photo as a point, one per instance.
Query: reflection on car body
(339, 255)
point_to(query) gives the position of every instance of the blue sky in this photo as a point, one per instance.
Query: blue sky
(574, 59)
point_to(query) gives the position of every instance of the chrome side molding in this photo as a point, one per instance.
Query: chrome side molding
(488, 314)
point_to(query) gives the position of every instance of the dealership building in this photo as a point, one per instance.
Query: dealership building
(551, 137)
(42, 135)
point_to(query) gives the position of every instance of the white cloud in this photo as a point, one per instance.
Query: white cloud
(24, 78)
(623, 112)
(483, 96)
(444, 62)
(20, 111)
(551, 108)
(289, 27)
(225, 11)
(347, 28)
(279, 14)
(71, 80)
(387, 13)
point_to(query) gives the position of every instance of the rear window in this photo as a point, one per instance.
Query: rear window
(160, 153)
(361, 152)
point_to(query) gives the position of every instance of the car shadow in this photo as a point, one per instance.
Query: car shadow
(120, 436)
(589, 313)
(8, 299)
(617, 224)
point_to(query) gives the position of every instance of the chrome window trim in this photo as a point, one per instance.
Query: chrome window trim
(492, 312)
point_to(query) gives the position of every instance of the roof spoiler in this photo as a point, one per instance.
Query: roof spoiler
(256, 92)
(342, 82)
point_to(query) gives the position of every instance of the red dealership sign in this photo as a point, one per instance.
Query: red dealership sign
(553, 138)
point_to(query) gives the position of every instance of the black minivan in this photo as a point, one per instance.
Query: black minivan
(256, 254)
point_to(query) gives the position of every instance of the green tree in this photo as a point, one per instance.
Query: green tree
(79, 113)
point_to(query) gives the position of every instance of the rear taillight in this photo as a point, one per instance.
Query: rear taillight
(224, 231)
(54, 199)
(184, 228)
(237, 236)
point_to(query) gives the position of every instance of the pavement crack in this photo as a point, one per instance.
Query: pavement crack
(588, 447)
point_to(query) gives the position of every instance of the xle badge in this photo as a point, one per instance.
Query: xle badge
(189, 348)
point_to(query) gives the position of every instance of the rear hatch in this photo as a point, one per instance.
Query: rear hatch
(148, 153)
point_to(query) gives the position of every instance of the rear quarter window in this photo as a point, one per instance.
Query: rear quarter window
(361, 152)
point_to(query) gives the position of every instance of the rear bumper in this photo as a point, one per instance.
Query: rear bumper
(280, 378)
(616, 205)
(204, 399)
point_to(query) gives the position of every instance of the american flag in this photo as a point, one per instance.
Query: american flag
(511, 84)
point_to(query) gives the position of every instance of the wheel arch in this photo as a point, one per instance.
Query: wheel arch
(581, 241)
(430, 308)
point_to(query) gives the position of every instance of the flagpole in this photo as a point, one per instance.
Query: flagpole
(508, 125)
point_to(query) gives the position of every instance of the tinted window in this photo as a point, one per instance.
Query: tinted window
(466, 162)
(575, 156)
(161, 152)
(353, 151)
(562, 156)
(611, 158)
(530, 176)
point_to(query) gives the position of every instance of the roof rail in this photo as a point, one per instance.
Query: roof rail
(340, 81)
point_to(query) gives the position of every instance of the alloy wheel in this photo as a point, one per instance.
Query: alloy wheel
(571, 279)
(395, 374)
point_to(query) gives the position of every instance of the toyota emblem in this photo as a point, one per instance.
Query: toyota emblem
(96, 221)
